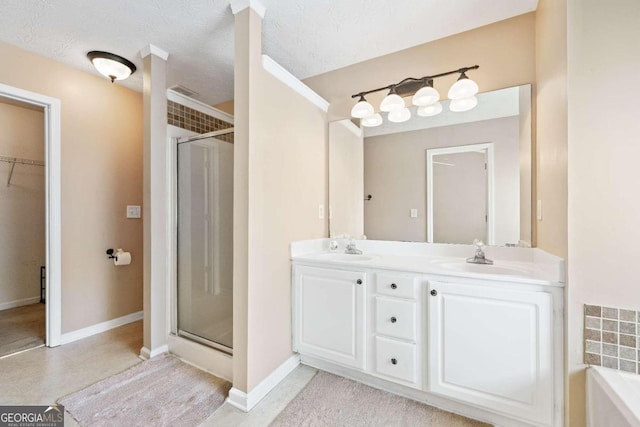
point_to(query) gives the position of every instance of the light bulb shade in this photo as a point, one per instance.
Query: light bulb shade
(392, 102)
(362, 109)
(463, 104)
(426, 96)
(372, 120)
(430, 110)
(463, 88)
(112, 66)
(399, 116)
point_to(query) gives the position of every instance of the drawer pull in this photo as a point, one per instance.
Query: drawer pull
(359, 281)
(394, 286)
(394, 361)
(393, 319)
(434, 293)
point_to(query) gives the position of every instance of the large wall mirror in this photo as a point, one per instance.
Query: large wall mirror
(450, 178)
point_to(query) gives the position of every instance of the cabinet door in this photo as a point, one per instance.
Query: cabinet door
(492, 348)
(329, 314)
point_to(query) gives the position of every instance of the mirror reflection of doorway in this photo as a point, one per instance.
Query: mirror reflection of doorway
(460, 194)
(22, 226)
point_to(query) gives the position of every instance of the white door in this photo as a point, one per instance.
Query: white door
(329, 315)
(492, 348)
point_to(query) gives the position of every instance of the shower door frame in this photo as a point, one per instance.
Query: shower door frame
(173, 306)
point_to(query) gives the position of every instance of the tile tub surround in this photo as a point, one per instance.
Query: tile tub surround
(196, 121)
(612, 338)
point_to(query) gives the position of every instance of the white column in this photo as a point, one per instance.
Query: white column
(156, 193)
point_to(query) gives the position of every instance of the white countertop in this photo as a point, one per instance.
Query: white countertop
(522, 265)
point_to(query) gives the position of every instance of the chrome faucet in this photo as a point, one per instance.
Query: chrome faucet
(351, 248)
(479, 257)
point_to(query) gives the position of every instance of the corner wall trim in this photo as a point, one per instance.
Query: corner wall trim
(99, 328)
(19, 303)
(247, 401)
(155, 50)
(280, 73)
(146, 354)
(352, 127)
(238, 6)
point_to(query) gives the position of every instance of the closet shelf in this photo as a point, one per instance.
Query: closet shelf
(19, 161)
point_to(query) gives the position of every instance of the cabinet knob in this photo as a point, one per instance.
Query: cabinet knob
(434, 293)
(394, 286)
(359, 281)
(394, 320)
(394, 361)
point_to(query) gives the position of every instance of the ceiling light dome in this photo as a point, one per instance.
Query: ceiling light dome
(463, 88)
(430, 110)
(362, 109)
(392, 102)
(110, 65)
(399, 116)
(426, 95)
(372, 120)
(463, 104)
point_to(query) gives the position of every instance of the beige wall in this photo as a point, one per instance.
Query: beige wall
(505, 52)
(395, 175)
(346, 179)
(604, 207)
(22, 205)
(281, 178)
(101, 174)
(551, 128)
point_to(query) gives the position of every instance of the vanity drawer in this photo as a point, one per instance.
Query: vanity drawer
(397, 360)
(396, 318)
(396, 285)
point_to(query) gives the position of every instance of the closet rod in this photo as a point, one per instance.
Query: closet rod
(14, 160)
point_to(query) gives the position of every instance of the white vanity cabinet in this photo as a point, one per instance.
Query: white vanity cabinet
(488, 349)
(492, 347)
(329, 314)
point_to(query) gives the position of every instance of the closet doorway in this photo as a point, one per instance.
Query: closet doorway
(22, 226)
(30, 238)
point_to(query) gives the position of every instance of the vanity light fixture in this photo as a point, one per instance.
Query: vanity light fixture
(424, 96)
(111, 65)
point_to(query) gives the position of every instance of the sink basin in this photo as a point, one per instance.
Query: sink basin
(465, 267)
(345, 257)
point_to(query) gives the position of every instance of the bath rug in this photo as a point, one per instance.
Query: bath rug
(163, 391)
(329, 400)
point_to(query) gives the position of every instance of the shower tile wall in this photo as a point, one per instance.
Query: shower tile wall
(612, 338)
(195, 121)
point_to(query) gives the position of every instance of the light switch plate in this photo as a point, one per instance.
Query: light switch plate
(321, 211)
(414, 213)
(133, 211)
(539, 210)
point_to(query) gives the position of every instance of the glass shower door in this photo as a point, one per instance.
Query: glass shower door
(205, 242)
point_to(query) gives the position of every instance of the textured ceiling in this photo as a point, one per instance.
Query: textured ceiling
(308, 37)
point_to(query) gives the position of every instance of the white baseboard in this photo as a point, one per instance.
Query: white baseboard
(19, 303)
(99, 328)
(146, 354)
(246, 401)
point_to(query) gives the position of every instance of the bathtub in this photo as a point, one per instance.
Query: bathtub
(613, 398)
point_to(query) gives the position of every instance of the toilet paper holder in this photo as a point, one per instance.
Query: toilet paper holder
(110, 253)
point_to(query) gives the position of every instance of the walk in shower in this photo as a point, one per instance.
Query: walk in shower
(204, 309)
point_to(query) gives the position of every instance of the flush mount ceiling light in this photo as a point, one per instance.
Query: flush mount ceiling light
(110, 65)
(424, 96)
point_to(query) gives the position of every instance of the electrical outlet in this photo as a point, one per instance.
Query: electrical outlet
(321, 211)
(133, 211)
(414, 213)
